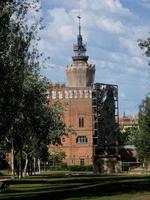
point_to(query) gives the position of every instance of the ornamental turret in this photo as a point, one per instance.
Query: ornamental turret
(80, 73)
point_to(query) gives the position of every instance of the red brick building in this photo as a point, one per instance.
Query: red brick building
(78, 144)
(128, 121)
(77, 97)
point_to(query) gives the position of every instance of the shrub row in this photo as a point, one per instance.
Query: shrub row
(80, 168)
(128, 165)
(71, 168)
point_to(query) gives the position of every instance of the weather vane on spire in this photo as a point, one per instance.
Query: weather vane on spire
(79, 17)
(80, 48)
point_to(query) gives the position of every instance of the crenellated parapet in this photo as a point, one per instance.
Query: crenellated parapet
(60, 91)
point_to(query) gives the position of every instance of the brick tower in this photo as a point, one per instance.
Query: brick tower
(80, 73)
(89, 109)
(76, 96)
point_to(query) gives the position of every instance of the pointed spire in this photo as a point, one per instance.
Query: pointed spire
(79, 38)
(79, 24)
(79, 17)
(80, 48)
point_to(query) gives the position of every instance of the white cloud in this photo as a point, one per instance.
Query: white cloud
(130, 45)
(110, 25)
(145, 3)
(113, 6)
(61, 25)
(112, 33)
(131, 71)
(68, 4)
(129, 41)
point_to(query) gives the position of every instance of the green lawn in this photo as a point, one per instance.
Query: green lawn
(48, 187)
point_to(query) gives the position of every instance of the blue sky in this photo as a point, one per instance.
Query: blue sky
(110, 28)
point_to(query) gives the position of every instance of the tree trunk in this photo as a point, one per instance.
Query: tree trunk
(30, 167)
(25, 167)
(12, 160)
(39, 165)
(34, 165)
(20, 162)
(12, 153)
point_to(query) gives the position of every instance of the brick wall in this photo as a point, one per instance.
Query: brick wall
(77, 145)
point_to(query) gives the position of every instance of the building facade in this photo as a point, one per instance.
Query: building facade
(78, 144)
(84, 103)
(128, 121)
(76, 96)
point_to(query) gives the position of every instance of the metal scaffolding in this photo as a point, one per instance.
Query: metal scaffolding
(105, 118)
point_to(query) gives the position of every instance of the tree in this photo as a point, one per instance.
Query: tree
(17, 63)
(57, 125)
(143, 137)
(56, 156)
(6, 11)
(128, 135)
(47, 128)
(20, 74)
(26, 122)
(145, 45)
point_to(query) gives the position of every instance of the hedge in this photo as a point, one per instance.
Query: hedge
(80, 168)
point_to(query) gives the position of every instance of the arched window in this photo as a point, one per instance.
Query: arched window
(81, 122)
(81, 139)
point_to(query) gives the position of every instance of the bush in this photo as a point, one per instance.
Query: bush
(57, 168)
(64, 167)
(125, 166)
(80, 168)
(128, 165)
(3, 164)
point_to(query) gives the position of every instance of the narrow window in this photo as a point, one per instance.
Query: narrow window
(81, 122)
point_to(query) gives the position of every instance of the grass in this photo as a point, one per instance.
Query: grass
(61, 187)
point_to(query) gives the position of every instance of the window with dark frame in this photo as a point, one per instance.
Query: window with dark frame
(81, 122)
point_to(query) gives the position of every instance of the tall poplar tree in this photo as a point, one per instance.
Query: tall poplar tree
(25, 119)
(143, 137)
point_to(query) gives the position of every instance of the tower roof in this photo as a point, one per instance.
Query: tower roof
(80, 73)
(80, 48)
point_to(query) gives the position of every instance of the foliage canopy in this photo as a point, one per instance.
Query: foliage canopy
(26, 122)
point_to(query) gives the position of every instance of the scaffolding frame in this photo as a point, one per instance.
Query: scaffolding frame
(105, 110)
